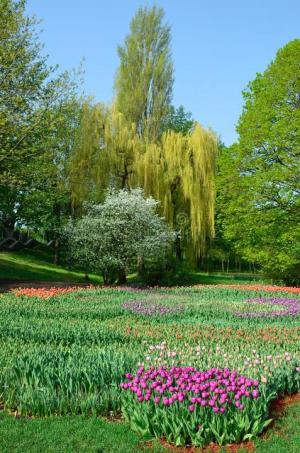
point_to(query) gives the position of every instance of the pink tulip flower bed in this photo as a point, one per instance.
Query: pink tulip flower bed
(187, 406)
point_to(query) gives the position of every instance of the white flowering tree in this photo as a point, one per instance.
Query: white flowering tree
(114, 235)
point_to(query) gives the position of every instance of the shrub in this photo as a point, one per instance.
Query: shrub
(113, 236)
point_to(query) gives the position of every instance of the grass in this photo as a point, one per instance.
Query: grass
(95, 435)
(223, 278)
(37, 265)
(284, 436)
(65, 434)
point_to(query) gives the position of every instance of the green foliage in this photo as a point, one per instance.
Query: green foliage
(103, 155)
(114, 235)
(45, 204)
(170, 273)
(180, 173)
(28, 90)
(145, 76)
(38, 119)
(178, 120)
(259, 177)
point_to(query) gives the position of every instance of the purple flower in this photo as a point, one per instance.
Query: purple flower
(166, 401)
(255, 394)
(291, 307)
(184, 384)
(148, 308)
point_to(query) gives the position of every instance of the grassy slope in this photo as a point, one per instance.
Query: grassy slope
(80, 434)
(37, 265)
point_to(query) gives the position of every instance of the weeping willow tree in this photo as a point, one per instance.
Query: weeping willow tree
(103, 155)
(81, 170)
(180, 173)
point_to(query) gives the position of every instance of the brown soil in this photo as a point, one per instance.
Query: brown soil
(279, 405)
(212, 448)
(114, 417)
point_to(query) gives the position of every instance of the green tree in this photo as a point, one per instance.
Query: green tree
(260, 175)
(104, 153)
(37, 119)
(144, 79)
(178, 120)
(180, 173)
(111, 237)
(45, 206)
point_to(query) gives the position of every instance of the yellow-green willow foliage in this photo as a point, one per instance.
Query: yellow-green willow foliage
(103, 154)
(178, 170)
(81, 168)
(180, 173)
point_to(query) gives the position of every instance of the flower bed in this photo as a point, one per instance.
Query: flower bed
(291, 307)
(86, 340)
(187, 406)
(47, 293)
(149, 308)
(256, 287)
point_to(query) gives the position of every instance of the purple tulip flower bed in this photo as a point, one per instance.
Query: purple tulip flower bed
(291, 307)
(187, 406)
(148, 308)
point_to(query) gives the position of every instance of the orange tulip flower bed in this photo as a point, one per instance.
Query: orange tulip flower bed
(47, 293)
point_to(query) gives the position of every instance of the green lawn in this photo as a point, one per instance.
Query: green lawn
(65, 434)
(95, 435)
(37, 265)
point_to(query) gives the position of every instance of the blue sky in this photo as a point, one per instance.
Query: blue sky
(217, 47)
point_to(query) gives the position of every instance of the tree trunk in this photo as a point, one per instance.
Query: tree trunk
(178, 250)
(222, 265)
(8, 226)
(125, 176)
(122, 277)
(207, 264)
(105, 278)
(140, 266)
(56, 251)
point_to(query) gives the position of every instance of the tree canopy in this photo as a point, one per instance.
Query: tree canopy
(38, 116)
(111, 236)
(180, 173)
(260, 175)
(144, 79)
